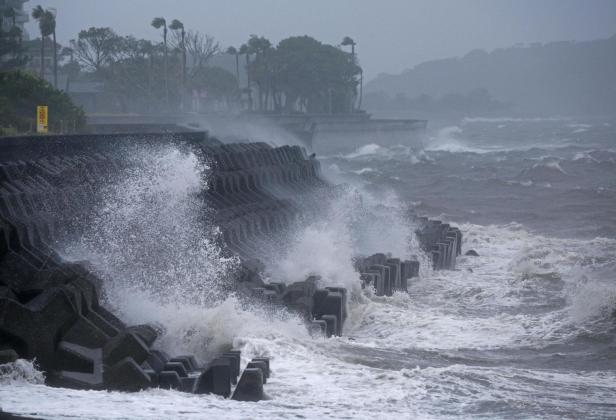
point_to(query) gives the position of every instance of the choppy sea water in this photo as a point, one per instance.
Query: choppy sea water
(525, 330)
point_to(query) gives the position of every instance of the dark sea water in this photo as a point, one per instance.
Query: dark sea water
(525, 330)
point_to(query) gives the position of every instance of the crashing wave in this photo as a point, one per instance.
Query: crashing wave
(21, 372)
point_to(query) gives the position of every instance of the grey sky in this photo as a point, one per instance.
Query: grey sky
(392, 35)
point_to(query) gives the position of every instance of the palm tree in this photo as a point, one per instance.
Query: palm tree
(259, 46)
(176, 25)
(349, 41)
(235, 52)
(51, 15)
(244, 49)
(47, 25)
(158, 23)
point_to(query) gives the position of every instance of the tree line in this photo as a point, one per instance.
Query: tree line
(299, 74)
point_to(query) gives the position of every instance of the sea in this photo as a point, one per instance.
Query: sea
(525, 330)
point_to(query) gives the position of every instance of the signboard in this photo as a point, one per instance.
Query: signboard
(42, 119)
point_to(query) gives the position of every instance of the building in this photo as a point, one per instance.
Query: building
(21, 15)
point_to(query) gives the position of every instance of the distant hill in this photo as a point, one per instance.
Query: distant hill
(565, 78)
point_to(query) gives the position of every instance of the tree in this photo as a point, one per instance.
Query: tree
(314, 77)
(244, 49)
(158, 23)
(200, 48)
(178, 28)
(346, 42)
(95, 47)
(47, 26)
(52, 19)
(133, 78)
(260, 67)
(20, 93)
(218, 82)
(233, 51)
(349, 41)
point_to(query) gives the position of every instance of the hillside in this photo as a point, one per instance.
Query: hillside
(556, 78)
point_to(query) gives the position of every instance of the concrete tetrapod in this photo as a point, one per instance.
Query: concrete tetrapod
(250, 386)
(216, 379)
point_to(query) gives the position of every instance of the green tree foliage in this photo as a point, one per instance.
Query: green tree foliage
(21, 92)
(216, 82)
(261, 68)
(134, 70)
(96, 47)
(300, 74)
(158, 23)
(303, 74)
(47, 26)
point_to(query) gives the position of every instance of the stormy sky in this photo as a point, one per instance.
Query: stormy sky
(391, 35)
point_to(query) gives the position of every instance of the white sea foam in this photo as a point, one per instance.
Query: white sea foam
(368, 149)
(450, 139)
(20, 372)
(400, 356)
(551, 164)
(579, 126)
(365, 171)
(397, 360)
(585, 156)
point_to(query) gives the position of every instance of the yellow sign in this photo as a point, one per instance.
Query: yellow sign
(42, 119)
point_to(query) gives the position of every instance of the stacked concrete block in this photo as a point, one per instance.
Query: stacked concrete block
(323, 309)
(49, 308)
(442, 242)
(386, 275)
(255, 190)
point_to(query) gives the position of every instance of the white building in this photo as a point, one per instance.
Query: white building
(21, 15)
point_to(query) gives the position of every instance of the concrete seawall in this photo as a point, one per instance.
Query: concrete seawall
(50, 308)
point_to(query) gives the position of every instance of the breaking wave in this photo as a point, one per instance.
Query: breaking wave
(20, 372)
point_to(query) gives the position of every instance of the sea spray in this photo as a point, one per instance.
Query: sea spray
(353, 223)
(206, 331)
(152, 241)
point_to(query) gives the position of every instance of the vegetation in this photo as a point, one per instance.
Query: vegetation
(21, 92)
(303, 74)
(95, 48)
(47, 26)
(124, 74)
(300, 74)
